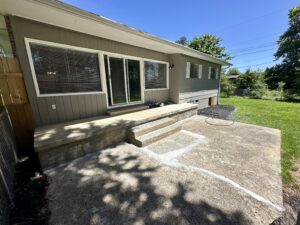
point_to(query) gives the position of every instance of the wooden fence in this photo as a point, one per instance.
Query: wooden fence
(13, 96)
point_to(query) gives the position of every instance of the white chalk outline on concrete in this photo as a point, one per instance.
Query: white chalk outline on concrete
(170, 159)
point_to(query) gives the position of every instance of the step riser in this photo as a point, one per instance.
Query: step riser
(135, 134)
(126, 110)
(149, 141)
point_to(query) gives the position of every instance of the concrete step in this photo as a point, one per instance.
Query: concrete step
(156, 135)
(145, 128)
(124, 110)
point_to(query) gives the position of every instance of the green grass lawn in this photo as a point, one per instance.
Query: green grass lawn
(281, 115)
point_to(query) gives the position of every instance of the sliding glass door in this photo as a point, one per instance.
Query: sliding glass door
(133, 80)
(123, 80)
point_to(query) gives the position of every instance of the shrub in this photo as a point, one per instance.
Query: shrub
(253, 82)
(227, 87)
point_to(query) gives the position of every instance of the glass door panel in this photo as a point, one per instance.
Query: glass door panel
(117, 79)
(133, 80)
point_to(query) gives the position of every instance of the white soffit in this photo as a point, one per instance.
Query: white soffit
(66, 16)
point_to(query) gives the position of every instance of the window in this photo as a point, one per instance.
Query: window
(61, 70)
(193, 70)
(155, 75)
(213, 73)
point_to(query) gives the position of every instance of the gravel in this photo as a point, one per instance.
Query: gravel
(225, 112)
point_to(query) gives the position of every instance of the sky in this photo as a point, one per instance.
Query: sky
(249, 28)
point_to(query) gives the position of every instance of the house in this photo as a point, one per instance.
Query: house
(77, 64)
(78, 67)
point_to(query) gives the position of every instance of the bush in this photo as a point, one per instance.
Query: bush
(227, 87)
(253, 82)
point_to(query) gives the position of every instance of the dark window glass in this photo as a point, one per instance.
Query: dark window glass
(213, 73)
(194, 70)
(61, 70)
(155, 75)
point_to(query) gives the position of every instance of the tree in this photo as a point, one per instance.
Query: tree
(289, 51)
(233, 71)
(227, 87)
(209, 44)
(183, 41)
(253, 82)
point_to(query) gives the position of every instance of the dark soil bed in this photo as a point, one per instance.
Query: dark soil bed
(291, 203)
(225, 112)
(31, 205)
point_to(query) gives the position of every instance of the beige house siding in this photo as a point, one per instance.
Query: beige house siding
(156, 95)
(193, 90)
(71, 107)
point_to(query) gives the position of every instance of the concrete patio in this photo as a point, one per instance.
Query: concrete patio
(205, 174)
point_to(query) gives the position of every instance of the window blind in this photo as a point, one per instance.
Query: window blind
(62, 70)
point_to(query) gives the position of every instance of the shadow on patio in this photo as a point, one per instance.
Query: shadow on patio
(116, 187)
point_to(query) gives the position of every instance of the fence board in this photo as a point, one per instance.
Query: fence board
(13, 96)
(12, 89)
(9, 65)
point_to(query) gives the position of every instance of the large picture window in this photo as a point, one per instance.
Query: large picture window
(61, 70)
(155, 75)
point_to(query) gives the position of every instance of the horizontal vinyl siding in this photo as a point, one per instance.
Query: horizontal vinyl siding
(70, 107)
(195, 84)
(198, 97)
(156, 95)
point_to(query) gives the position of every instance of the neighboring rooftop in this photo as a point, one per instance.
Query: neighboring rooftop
(63, 15)
(233, 76)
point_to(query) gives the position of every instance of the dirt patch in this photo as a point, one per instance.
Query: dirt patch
(291, 200)
(31, 205)
(291, 203)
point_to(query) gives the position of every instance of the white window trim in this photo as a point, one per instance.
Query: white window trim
(209, 72)
(101, 70)
(167, 71)
(47, 43)
(188, 70)
(200, 71)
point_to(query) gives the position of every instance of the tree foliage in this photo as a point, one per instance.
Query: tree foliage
(183, 41)
(227, 87)
(233, 71)
(289, 51)
(253, 82)
(211, 45)
(208, 44)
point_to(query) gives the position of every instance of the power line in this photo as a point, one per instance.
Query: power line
(254, 47)
(255, 59)
(249, 66)
(252, 19)
(249, 53)
(237, 43)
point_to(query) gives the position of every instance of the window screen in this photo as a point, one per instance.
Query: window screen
(62, 70)
(155, 75)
